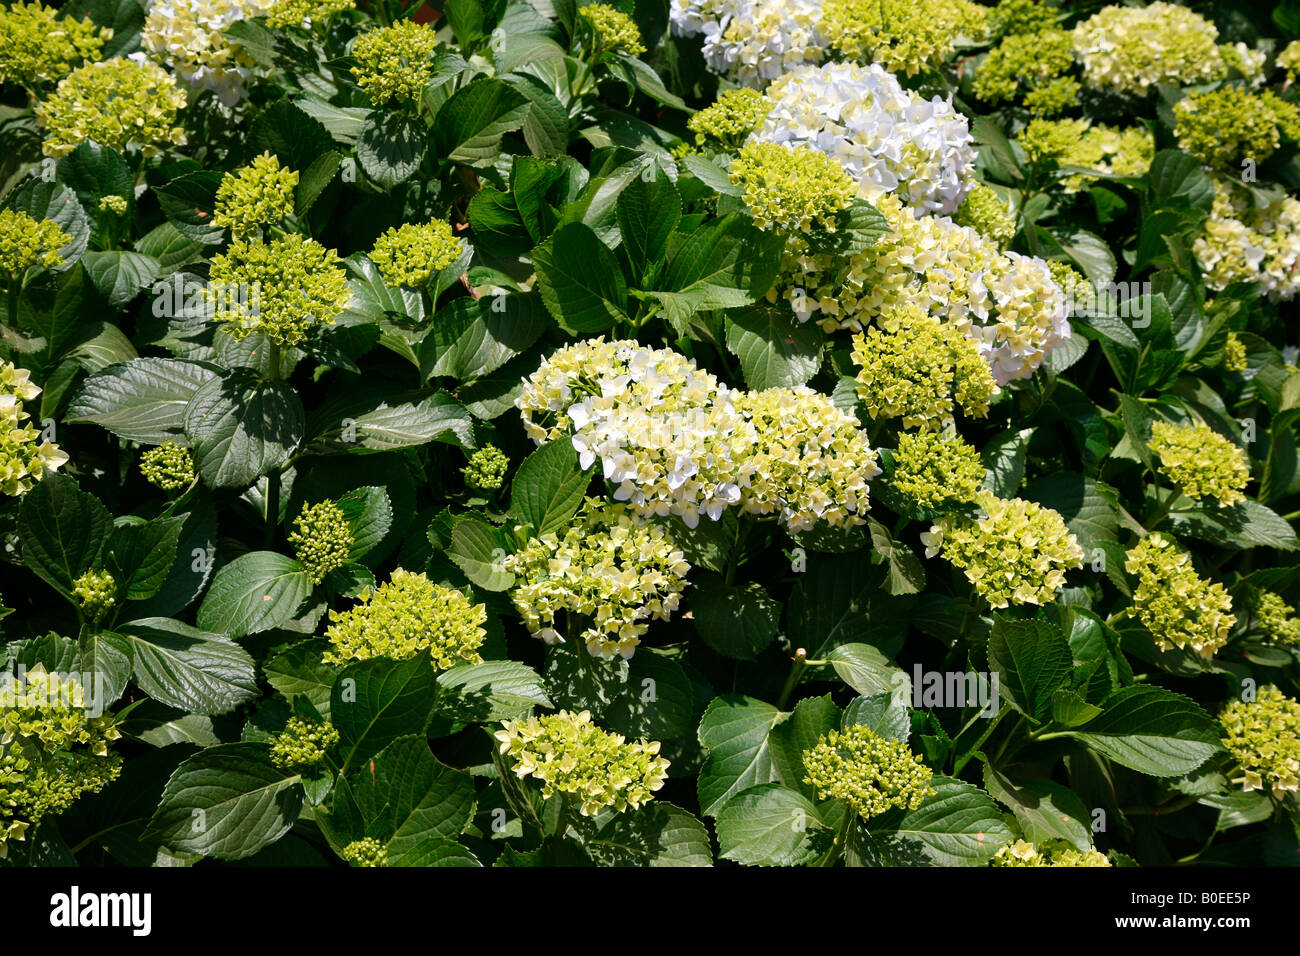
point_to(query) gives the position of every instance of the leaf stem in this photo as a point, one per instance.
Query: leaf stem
(796, 671)
(836, 849)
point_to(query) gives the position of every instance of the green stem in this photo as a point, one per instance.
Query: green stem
(792, 681)
(272, 509)
(15, 290)
(988, 731)
(836, 849)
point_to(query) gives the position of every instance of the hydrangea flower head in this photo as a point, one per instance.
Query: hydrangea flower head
(1243, 242)
(365, 852)
(322, 539)
(891, 140)
(1270, 614)
(610, 568)
(394, 64)
(729, 121)
(935, 471)
(254, 196)
(413, 254)
(752, 42)
(791, 188)
(614, 31)
(1049, 853)
(187, 37)
(404, 617)
(1263, 736)
(904, 36)
(38, 47)
(569, 754)
(915, 368)
(95, 593)
(867, 772)
(1288, 60)
(1033, 67)
(988, 215)
(168, 466)
(1017, 553)
(1201, 462)
(1180, 608)
(51, 751)
(305, 14)
(1128, 50)
(304, 743)
(1224, 126)
(1235, 358)
(24, 455)
(486, 470)
(116, 103)
(282, 288)
(27, 243)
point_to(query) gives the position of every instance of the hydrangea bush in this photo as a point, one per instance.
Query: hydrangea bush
(658, 433)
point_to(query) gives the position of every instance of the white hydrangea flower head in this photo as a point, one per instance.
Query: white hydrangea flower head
(186, 37)
(890, 139)
(1128, 50)
(1241, 242)
(752, 42)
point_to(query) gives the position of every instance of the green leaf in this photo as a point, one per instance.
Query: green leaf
(469, 126)
(491, 691)
(656, 834)
(478, 549)
(813, 718)
(56, 202)
(1080, 502)
(253, 593)
(774, 348)
(285, 129)
(389, 424)
(1045, 810)
(1247, 524)
(737, 621)
(906, 574)
(390, 147)
(64, 531)
(1004, 461)
(725, 263)
(227, 801)
(770, 825)
(958, 826)
(581, 282)
(884, 714)
(1177, 178)
(408, 799)
(120, 276)
(548, 488)
(658, 702)
(734, 732)
(142, 400)
(142, 555)
(1031, 659)
(376, 701)
(648, 211)
(1151, 730)
(241, 428)
(472, 338)
(299, 671)
(370, 515)
(868, 671)
(187, 668)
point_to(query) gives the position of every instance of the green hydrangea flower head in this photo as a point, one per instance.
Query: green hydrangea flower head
(394, 64)
(304, 13)
(1116, 52)
(1033, 67)
(116, 103)
(282, 288)
(1180, 608)
(729, 121)
(614, 31)
(322, 539)
(413, 254)
(937, 471)
(253, 196)
(1234, 354)
(96, 593)
(38, 47)
(1017, 553)
(486, 470)
(1021, 16)
(792, 188)
(366, 852)
(404, 617)
(168, 466)
(27, 243)
(1289, 60)
(610, 568)
(906, 37)
(1049, 853)
(1264, 737)
(303, 743)
(117, 205)
(867, 772)
(988, 215)
(1224, 126)
(1200, 461)
(24, 455)
(569, 754)
(51, 750)
(918, 369)
(1273, 616)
